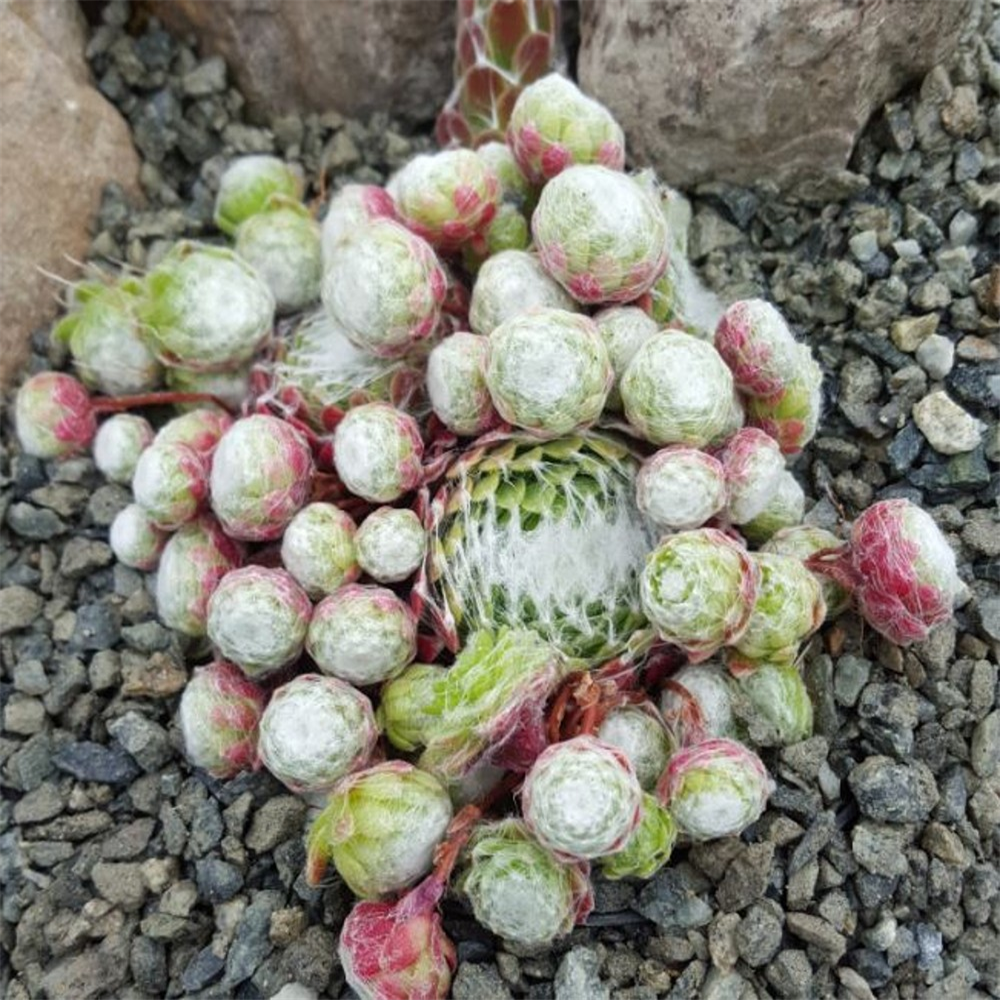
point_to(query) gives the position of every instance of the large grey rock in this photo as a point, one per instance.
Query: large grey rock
(305, 55)
(62, 142)
(743, 92)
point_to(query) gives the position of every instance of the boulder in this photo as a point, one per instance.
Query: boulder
(61, 143)
(761, 90)
(322, 55)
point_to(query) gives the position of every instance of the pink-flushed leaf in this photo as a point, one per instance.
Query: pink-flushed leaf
(533, 58)
(506, 24)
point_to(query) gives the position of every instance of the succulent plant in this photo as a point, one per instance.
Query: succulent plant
(648, 849)
(447, 197)
(119, 442)
(105, 340)
(383, 286)
(320, 372)
(624, 330)
(716, 788)
(753, 464)
(258, 618)
(219, 715)
(679, 488)
(785, 509)
(314, 731)
(755, 342)
(200, 429)
(54, 416)
(400, 949)
(553, 125)
(520, 890)
(499, 48)
(543, 536)
(677, 390)
(362, 634)
(789, 607)
(282, 244)
(600, 235)
(378, 452)
(456, 384)
(319, 549)
(792, 415)
(639, 733)
(698, 589)
(205, 308)
(774, 704)
(380, 829)
(803, 541)
(548, 371)
(247, 185)
(509, 284)
(135, 540)
(697, 704)
(490, 704)
(410, 705)
(582, 798)
(193, 562)
(349, 209)
(262, 472)
(907, 581)
(391, 544)
(170, 483)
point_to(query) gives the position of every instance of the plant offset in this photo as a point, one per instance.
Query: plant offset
(508, 505)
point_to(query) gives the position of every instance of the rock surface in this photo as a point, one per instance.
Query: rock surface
(62, 142)
(755, 91)
(355, 58)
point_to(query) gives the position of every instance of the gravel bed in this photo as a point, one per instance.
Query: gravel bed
(875, 870)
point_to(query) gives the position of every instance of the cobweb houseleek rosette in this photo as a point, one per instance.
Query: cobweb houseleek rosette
(539, 535)
(135, 540)
(697, 703)
(639, 733)
(788, 609)
(200, 429)
(548, 371)
(714, 789)
(391, 544)
(446, 197)
(753, 466)
(510, 283)
(755, 341)
(248, 183)
(457, 387)
(219, 715)
(314, 731)
(384, 287)
(490, 706)
(193, 562)
(262, 473)
(170, 483)
(677, 390)
(648, 849)
(785, 509)
(205, 308)
(319, 550)
(554, 125)
(380, 829)
(119, 442)
(790, 416)
(398, 950)
(680, 488)
(378, 452)
(54, 416)
(349, 208)
(600, 235)
(257, 619)
(698, 589)
(582, 798)
(624, 329)
(773, 704)
(519, 889)
(410, 706)
(362, 634)
(904, 570)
